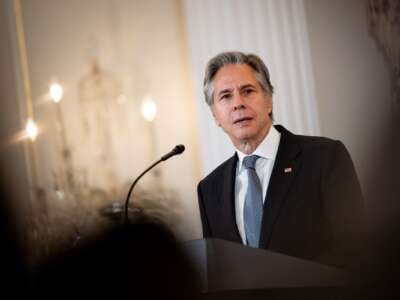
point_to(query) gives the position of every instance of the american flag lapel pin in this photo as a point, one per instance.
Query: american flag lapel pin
(288, 170)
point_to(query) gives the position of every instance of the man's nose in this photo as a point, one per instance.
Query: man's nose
(238, 101)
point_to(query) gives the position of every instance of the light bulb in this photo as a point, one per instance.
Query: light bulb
(149, 109)
(56, 92)
(31, 129)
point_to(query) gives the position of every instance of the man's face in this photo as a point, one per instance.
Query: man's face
(240, 105)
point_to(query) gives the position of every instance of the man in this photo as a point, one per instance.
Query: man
(293, 194)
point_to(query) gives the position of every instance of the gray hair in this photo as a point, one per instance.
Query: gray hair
(227, 58)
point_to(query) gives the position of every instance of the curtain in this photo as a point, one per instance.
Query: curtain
(384, 25)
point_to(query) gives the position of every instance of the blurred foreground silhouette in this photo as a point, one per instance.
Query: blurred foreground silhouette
(142, 260)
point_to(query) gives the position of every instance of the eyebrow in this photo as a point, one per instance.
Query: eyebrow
(240, 88)
(224, 91)
(247, 86)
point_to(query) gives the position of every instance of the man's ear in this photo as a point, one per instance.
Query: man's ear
(270, 104)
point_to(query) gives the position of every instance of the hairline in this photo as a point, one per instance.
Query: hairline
(257, 75)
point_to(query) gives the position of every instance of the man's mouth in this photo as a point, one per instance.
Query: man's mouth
(242, 120)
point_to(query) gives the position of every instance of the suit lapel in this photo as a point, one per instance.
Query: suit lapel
(227, 200)
(286, 167)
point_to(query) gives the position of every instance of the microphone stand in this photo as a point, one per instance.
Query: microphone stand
(126, 218)
(177, 150)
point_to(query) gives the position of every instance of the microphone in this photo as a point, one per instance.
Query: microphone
(177, 150)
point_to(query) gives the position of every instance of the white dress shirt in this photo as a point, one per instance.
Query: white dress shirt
(267, 151)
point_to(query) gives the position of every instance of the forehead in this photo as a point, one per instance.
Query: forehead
(233, 76)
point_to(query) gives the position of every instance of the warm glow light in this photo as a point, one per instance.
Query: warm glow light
(149, 109)
(31, 129)
(56, 92)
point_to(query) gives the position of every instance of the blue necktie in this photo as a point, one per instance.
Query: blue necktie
(253, 203)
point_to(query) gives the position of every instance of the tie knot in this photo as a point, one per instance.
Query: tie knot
(250, 161)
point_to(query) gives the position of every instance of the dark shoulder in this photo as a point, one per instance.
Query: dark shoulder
(219, 171)
(319, 148)
(308, 142)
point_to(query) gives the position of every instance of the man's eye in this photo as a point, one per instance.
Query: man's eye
(225, 96)
(248, 91)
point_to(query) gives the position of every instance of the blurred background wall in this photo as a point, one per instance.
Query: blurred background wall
(111, 57)
(352, 80)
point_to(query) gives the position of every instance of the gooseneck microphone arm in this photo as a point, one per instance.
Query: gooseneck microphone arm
(177, 150)
(133, 185)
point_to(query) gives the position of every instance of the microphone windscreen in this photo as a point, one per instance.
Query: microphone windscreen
(179, 149)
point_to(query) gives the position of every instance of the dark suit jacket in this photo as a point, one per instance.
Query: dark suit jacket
(315, 208)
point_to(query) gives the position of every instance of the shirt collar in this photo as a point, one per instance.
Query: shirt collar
(267, 149)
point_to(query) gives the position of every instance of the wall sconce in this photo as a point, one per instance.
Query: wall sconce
(31, 130)
(56, 92)
(149, 109)
(149, 112)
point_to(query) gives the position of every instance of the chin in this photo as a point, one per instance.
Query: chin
(244, 136)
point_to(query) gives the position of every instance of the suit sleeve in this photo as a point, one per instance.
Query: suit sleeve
(203, 215)
(343, 200)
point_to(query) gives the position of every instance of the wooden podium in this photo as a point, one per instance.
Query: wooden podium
(228, 270)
